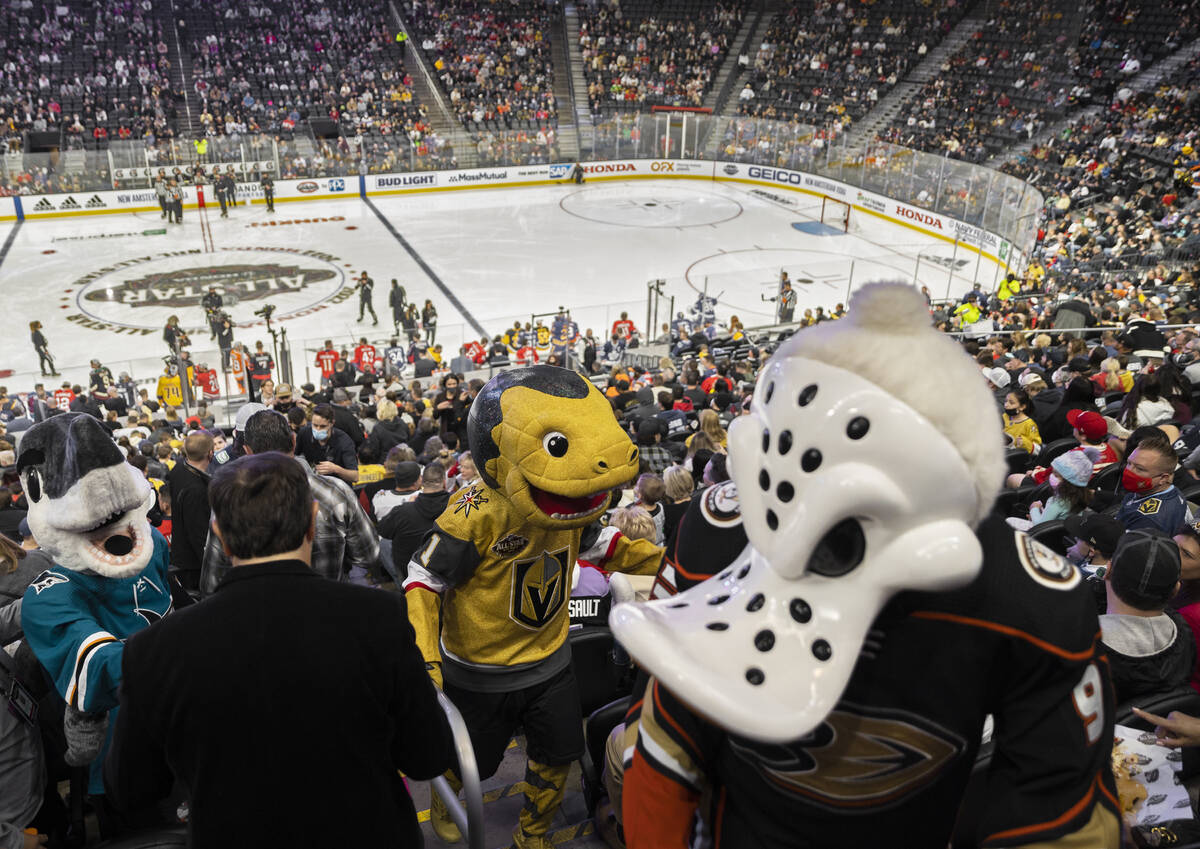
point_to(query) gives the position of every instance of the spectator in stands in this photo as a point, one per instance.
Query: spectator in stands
(346, 544)
(650, 492)
(389, 431)
(653, 458)
(407, 475)
(344, 417)
(173, 682)
(188, 486)
(407, 524)
(326, 448)
(1152, 499)
(1096, 536)
(1150, 648)
(1069, 476)
(1019, 424)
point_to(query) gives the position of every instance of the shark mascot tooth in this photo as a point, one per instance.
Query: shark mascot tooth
(87, 510)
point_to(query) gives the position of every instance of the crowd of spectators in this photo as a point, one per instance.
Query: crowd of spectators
(270, 65)
(635, 57)
(91, 71)
(826, 61)
(492, 60)
(1025, 68)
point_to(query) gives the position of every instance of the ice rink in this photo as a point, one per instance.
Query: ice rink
(104, 285)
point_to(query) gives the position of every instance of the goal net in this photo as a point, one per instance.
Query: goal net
(835, 213)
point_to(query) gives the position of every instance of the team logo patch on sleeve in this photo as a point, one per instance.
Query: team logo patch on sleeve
(470, 500)
(46, 580)
(1150, 506)
(720, 505)
(1044, 566)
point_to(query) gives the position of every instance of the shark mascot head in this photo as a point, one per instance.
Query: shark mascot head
(87, 506)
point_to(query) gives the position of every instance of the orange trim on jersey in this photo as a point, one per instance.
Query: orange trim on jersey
(1070, 814)
(658, 709)
(658, 812)
(719, 818)
(636, 706)
(1109, 796)
(1006, 629)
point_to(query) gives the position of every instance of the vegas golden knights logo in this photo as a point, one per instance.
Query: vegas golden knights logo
(540, 587)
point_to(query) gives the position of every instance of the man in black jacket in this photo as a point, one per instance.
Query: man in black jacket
(326, 448)
(189, 509)
(1150, 648)
(408, 524)
(327, 689)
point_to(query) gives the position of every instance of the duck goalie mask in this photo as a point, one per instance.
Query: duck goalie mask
(871, 452)
(87, 506)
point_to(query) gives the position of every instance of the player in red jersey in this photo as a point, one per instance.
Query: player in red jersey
(327, 357)
(63, 397)
(207, 382)
(623, 327)
(364, 356)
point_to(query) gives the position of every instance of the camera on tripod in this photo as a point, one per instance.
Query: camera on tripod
(266, 312)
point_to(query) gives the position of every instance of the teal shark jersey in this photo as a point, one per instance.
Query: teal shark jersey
(77, 623)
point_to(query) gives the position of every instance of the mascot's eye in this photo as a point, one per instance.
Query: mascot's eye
(33, 486)
(555, 444)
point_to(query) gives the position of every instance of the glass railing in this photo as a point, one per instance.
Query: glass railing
(980, 196)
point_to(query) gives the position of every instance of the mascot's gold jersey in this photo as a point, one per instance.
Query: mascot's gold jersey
(498, 562)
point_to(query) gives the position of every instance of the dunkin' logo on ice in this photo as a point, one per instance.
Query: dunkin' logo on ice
(920, 216)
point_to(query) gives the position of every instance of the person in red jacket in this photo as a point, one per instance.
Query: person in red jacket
(63, 397)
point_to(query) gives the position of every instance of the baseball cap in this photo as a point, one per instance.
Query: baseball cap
(244, 414)
(1097, 530)
(283, 392)
(1091, 423)
(998, 376)
(1145, 568)
(407, 473)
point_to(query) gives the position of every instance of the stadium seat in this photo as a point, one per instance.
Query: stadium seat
(1053, 535)
(600, 679)
(1054, 449)
(599, 725)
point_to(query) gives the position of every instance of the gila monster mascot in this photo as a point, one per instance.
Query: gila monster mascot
(495, 571)
(87, 510)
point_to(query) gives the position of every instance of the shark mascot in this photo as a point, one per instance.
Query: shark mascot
(87, 510)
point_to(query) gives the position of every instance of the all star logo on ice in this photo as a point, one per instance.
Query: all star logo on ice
(185, 287)
(295, 281)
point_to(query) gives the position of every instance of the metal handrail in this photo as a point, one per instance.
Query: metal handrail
(470, 820)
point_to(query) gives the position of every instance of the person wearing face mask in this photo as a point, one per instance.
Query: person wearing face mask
(1069, 476)
(328, 450)
(1096, 537)
(1018, 424)
(1152, 499)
